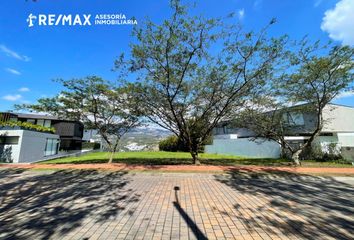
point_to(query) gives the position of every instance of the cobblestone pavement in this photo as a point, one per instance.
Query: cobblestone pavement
(87, 204)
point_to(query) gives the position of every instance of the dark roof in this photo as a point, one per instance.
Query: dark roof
(35, 116)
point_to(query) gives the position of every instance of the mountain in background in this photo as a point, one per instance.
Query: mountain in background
(144, 138)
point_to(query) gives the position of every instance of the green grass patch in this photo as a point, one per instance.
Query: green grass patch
(330, 163)
(166, 158)
(177, 158)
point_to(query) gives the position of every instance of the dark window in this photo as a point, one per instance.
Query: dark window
(47, 123)
(40, 122)
(33, 121)
(9, 140)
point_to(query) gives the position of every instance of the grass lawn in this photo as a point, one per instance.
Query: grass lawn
(175, 158)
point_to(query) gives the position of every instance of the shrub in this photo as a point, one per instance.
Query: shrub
(27, 126)
(175, 144)
(172, 144)
(91, 145)
(329, 152)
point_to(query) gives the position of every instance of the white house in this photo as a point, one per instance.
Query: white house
(24, 146)
(338, 129)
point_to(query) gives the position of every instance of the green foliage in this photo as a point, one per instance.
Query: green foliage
(172, 144)
(317, 73)
(6, 154)
(175, 158)
(27, 126)
(316, 152)
(91, 145)
(99, 104)
(185, 85)
(176, 144)
(313, 75)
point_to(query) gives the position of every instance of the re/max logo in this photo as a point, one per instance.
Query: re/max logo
(61, 19)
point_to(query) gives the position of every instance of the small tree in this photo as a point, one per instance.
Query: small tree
(185, 86)
(97, 103)
(318, 74)
(315, 75)
(264, 117)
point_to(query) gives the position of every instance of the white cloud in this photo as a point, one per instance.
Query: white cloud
(338, 22)
(241, 13)
(345, 94)
(13, 54)
(24, 89)
(12, 97)
(13, 71)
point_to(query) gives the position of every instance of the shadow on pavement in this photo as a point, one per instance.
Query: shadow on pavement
(306, 206)
(10, 172)
(191, 224)
(40, 205)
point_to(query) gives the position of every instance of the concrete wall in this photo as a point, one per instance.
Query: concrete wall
(341, 139)
(346, 139)
(31, 145)
(339, 119)
(270, 149)
(245, 147)
(348, 153)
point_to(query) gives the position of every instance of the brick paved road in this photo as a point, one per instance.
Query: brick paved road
(118, 205)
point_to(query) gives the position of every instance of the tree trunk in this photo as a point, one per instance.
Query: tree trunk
(195, 158)
(111, 157)
(113, 151)
(295, 157)
(283, 150)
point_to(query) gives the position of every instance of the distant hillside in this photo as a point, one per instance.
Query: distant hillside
(143, 139)
(139, 139)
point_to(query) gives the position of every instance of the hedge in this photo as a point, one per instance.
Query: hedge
(27, 126)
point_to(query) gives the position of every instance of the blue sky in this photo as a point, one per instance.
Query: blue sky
(31, 57)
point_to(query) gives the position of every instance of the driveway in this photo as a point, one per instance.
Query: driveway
(89, 204)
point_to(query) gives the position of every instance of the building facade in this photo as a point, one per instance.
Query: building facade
(70, 132)
(24, 146)
(20, 143)
(338, 130)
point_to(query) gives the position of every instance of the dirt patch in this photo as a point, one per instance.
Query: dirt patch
(185, 168)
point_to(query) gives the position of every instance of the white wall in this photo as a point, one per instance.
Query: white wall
(15, 148)
(341, 139)
(31, 145)
(245, 147)
(346, 139)
(338, 118)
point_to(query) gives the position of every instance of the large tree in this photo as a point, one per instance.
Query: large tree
(97, 103)
(194, 72)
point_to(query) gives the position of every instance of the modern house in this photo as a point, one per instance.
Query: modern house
(30, 137)
(338, 129)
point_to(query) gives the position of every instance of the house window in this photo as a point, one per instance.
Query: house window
(43, 123)
(294, 119)
(33, 121)
(47, 123)
(9, 140)
(52, 146)
(40, 122)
